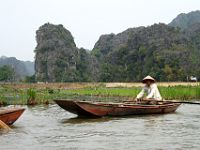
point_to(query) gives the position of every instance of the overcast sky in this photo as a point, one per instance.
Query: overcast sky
(85, 19)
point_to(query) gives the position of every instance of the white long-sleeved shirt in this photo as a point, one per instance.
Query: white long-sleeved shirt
(151, 91)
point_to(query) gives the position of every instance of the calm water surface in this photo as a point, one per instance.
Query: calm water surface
(51, 128)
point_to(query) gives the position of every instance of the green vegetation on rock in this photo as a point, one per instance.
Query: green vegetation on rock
(56, 54)
(159, 50)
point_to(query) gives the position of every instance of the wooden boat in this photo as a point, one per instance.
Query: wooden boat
(97, 109)
(10, 115)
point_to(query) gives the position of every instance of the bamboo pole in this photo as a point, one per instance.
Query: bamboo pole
(4, 126)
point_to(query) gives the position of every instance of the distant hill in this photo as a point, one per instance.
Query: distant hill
(185, 20)
(21, 68)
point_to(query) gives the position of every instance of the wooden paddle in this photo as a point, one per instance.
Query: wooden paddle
(182, 102)
(4, 126)
(170, 101)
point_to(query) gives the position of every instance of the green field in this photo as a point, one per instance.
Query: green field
(11, 95)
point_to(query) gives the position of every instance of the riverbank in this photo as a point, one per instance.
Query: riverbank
(79, 85)
(45, 93)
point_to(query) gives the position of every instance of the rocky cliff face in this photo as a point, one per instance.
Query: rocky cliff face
(57, 57)
(159, 50)
(185, 20)
(56, 54)
(109, 42)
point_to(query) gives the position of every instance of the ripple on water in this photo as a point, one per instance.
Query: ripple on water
(51, 127)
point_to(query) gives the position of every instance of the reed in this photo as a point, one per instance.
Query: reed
(181, 92)
(168, 93)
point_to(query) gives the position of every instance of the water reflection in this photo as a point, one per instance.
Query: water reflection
(78, 120)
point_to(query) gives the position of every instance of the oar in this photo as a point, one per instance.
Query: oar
(182, 102)
(4, 126)
(170, 101)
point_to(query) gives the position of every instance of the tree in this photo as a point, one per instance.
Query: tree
(30, 79)
(168, 71)
(7, 73)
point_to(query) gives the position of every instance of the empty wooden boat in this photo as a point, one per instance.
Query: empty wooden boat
(10, 115)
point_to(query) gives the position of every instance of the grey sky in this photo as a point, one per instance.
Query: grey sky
(86, 19)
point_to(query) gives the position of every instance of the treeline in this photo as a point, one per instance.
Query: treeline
(8, 74)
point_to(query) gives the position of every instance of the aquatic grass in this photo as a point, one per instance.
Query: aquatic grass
(180, 92)
(168, 93)
(106, 91)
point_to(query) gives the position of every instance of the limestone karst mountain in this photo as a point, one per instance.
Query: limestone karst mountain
(164, 51)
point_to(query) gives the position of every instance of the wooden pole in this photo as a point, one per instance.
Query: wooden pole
(4, 126)
(183, 102)
(170, 101)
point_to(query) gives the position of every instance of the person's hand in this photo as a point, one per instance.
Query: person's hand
(137, 99)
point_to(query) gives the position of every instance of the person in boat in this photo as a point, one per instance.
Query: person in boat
(150, 91)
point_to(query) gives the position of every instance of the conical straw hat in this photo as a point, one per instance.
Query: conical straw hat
(148, 78)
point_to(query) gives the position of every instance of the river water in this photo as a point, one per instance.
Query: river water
(52, 128)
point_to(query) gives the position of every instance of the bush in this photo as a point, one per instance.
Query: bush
(31, 93)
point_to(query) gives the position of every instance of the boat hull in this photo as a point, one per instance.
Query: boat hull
(10, 115)
(114, 109)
